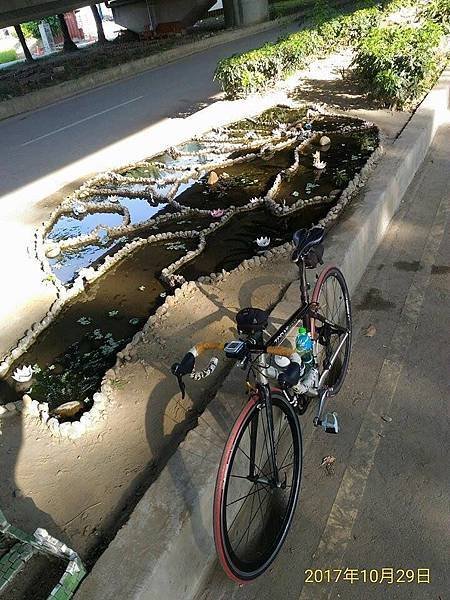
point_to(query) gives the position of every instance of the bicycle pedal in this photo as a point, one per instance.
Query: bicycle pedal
(330, 423)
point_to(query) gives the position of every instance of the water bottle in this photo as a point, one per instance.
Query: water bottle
(304, 346)
(309, 377)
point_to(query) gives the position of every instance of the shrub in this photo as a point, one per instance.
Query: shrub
(7, 56)
(438, 11)
(258, 69)
(398, 63)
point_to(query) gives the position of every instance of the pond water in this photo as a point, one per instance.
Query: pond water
(344, 157)
(74, 352)
(73, 226)
(227, 247)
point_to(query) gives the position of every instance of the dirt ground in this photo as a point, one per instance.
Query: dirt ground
(82, 491)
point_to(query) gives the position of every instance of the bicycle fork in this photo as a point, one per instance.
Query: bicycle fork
(265, 402)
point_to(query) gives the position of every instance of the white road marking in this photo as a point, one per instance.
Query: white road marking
(344, 512)
(102, 112)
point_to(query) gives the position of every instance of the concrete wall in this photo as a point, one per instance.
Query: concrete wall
(139, 15)
(239, 13)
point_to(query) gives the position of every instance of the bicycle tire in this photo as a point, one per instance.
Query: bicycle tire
(319, 296)
(240, 568)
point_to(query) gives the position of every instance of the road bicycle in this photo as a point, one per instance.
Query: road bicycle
(259, 474)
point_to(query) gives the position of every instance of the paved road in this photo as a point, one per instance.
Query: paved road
(386, 505)
(41, 142)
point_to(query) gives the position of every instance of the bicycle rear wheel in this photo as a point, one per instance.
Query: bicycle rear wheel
(332, 296)
(252, 518)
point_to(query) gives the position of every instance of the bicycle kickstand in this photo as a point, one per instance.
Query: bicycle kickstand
(329, 423)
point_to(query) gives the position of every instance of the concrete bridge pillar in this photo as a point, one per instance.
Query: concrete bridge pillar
(239, 13)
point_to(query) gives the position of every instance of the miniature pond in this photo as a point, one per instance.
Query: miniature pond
(170, 194)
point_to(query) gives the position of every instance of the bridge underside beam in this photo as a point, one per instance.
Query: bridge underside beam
(15, 12)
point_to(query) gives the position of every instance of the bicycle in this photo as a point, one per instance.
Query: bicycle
(259, 474)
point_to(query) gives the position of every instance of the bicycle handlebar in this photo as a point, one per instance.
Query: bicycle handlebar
(187, 364)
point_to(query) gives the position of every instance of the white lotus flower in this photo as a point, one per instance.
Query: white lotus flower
(24, 374)
(317, 163)
(263, 242)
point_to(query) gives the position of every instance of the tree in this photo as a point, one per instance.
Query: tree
(69, 44)
(31, 28)
(99, 24)
(21, 37)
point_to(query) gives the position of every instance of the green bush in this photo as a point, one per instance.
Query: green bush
(438, 11)
(398, 63)
(7, 56)
(258, 69)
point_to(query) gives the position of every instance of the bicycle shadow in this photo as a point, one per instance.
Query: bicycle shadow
(169, 419)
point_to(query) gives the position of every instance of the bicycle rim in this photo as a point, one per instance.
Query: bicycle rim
(251, 519)
(331, 294)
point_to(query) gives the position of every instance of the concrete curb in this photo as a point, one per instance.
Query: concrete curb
(166, 549)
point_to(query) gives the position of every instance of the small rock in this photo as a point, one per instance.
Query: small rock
(325, 141)
(65, 429)
(69, 409)
(213, 178)
(53, 425)
(10, 406)
(17, 493)
(2, 410)
(386, 418)
(370, 331)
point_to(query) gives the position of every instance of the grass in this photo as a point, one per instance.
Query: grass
(7, 56)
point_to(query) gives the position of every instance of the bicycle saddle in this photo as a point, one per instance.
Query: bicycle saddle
(306, 239)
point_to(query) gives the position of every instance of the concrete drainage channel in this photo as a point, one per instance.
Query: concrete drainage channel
(166, 548)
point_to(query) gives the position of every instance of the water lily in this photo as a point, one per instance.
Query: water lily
(217, 213)
(113, 313)
(317, 163)
(134, 321)
(23, 374)
(84, 321)
(163, 294)
(263, 242)
(296, 194)
(141, 288)
(254, 200)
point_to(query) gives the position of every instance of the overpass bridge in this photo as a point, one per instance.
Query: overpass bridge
(139, 15)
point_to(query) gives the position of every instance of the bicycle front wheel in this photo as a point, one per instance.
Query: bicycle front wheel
(252, 516)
